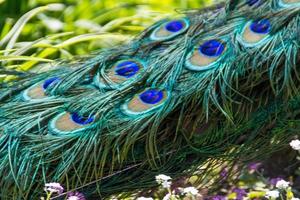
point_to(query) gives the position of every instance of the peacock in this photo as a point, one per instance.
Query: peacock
(219, 83)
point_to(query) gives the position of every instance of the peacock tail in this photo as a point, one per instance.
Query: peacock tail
(217, 83)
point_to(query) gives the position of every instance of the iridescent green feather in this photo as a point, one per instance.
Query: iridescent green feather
(246, 101)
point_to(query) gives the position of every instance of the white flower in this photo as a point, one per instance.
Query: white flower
(54, 188)
(190, 190)
(167, 197)
(162, 178)
(282, 184)
(295, 198)
(166, 184)
(73, 198)
(144, 198)
(273, 194)
(295, 144)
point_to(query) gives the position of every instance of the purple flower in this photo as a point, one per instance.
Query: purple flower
(218, 197)
(254, 166)
(75, 196)
(240, 193)
(54, 188)
(273, 181)
(224, 173)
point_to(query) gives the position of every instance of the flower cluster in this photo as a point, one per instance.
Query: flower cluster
(56, 188)
(240, 193)
(274, 181)
(190, 190)
(177, 194)
(75, 196)
(53, 188)
(295, 144)
(282, 184)
(163, 180)
(273, 189)
(272, 194)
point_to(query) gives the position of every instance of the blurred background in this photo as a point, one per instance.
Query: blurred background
(40, 31)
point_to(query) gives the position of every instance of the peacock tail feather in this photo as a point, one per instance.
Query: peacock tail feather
(217, 83)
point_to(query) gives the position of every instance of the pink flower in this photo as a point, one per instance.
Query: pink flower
(54, 188)
(254, 166)
(75, 196)
(273, 181)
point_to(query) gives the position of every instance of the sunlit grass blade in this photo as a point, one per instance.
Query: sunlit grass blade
(22, 58)
(116, 38)
(40, 43)
(12, 36)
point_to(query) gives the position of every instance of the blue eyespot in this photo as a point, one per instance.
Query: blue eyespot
(151, 96)
(127, 69)
(170, 29)
(174, 26)
(67, 123)
(81, 119)
(206, 55)
(262, 26)
(120, 73)
(212, 48)
(49, 82)
(145, 102)
(253, 2)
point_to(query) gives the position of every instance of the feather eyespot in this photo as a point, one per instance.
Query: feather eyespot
(50, 82)
(169, 30)
(121, 72)
(255, 32)
(205, 55)
(151, 96)
(67, 123)
(174, 26)
(81, 120)
(212, 48)
(288, 3)
(261, 26)
(127, 69)
(38, 90)
(144, 102)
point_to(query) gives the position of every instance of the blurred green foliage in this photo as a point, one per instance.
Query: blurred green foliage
(43, 30)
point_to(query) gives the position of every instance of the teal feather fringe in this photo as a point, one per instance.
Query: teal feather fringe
(248, 101)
